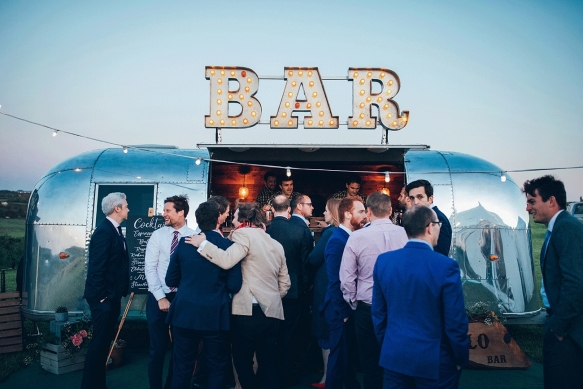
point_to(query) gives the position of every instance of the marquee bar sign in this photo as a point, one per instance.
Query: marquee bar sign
(304, 92)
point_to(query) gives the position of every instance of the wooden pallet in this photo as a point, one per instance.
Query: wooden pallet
(10, 323)
(54, 358)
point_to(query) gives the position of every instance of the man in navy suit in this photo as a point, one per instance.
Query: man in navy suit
(296, 246)
(561, 260)
(421, 193)
(201, 308)
(107, 282)
(337, 312)
(418, 309)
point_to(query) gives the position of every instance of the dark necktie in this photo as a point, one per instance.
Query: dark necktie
(543, 251)
(172, 248)
(121, 235)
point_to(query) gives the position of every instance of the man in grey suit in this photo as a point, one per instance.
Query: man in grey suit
(561, 262)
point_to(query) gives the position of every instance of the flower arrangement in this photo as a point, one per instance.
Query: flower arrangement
(76, 336)
(480, 313)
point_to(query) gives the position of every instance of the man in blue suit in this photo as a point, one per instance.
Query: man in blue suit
(337, 312)
(201, 308)
(108, 280)
(418, 309)
(420, 192)
(561, 260)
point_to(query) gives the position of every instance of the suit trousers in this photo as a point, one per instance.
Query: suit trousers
(369, 348)
(104, 319)
(449, 378)
(341, 371)
(287, 339)
(256, 334)
(186, 341)
(562, 362)
(159, 342)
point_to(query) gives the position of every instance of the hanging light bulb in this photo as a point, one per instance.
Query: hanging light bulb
(502, 177)
(386, 191)
(288, 172)
(198, 161)
(243, 191)
(125, 149)
(387, 177)
(54, 133)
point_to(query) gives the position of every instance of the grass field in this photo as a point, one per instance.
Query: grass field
(12, 227)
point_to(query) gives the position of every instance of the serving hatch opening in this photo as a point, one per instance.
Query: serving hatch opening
(318, 171)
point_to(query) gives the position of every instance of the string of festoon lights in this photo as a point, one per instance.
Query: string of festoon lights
(288, 169)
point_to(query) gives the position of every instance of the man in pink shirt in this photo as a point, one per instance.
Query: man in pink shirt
(356, 281)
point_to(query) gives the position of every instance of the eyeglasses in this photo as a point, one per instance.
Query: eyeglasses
(308, 204)
(438, 223)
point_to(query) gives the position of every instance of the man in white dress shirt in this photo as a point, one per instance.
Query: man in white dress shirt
(160, 246)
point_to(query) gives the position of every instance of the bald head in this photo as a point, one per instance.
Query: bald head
(280, 205)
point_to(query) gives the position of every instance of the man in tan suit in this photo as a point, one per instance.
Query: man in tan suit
(257, 308)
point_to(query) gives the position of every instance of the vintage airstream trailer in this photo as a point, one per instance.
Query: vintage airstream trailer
(491, 236)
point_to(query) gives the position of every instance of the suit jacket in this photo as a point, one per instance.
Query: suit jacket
(335, 308)
(265, 275)
(563, 277)
(202, 301)
(418, 311)
(296, 248)
(444, 241)
(108, 272)
(308, 276)
(317, 262)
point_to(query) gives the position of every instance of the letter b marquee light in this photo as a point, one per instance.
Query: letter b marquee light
(304, 92)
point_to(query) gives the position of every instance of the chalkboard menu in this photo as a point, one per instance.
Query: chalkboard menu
(138, 232)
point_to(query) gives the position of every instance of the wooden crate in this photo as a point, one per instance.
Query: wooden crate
(10, 323)
(54, 358)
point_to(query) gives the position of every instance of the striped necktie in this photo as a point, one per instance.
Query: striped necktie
(174, 243)
(172, 248)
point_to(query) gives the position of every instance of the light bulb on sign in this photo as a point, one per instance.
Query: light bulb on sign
(387, 177)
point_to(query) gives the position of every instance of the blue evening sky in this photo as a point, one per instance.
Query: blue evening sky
(501, 80)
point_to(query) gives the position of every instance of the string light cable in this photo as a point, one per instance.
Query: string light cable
(498, 173)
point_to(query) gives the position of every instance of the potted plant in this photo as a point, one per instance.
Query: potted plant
(116, 357)
(61, 314)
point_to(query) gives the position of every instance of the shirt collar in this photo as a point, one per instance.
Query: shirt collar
(345, 229)
(115, 224)
(553, 220)
(420, 241)
(300, 216)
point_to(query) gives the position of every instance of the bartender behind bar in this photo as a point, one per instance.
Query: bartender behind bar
(353, 184)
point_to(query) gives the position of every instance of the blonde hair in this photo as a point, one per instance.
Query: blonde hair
(332, 205)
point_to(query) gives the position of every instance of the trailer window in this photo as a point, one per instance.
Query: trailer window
(140, 199)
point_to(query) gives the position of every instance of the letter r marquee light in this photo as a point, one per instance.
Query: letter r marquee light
(304, 92)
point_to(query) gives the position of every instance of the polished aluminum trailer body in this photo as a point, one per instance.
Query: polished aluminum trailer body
(491, 238)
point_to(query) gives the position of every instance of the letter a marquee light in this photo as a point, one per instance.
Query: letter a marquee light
(313, 103)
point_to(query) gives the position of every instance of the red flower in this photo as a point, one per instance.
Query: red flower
(83, 333)
(76, 340)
